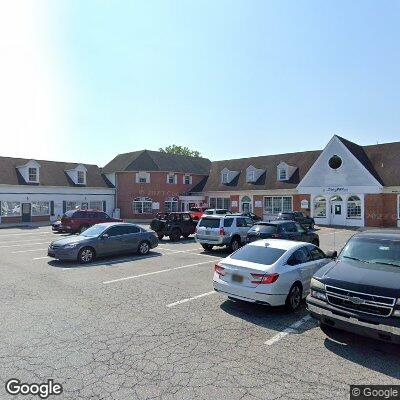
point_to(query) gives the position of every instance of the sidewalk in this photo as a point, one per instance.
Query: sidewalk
(30, 225)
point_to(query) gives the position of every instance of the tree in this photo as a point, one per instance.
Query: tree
(182, 150)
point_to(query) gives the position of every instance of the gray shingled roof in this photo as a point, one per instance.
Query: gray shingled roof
(52, 173)
(381, 160)
(148, 160)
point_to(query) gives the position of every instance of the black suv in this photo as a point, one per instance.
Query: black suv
(174, 225)
(299, 217)
(360, 291)
(281, 230)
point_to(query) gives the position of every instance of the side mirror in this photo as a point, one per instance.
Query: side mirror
(331, 254)
(105, 236)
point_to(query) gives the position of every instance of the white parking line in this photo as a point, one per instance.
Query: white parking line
(41, 258)
(290, 329)
(23, 244)
(26, 251)
(199, 296)
(156, 272)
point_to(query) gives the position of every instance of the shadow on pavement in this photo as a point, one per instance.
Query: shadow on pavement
(276, 318)
(377, 356)
(104, 261)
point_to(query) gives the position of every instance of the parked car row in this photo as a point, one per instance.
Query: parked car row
(276, 263)
(357, 291)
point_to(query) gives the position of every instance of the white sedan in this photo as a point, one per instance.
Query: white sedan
(272, 272)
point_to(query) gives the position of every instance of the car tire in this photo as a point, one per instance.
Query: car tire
(83, 228)
(186, 236)
(175, 235)
(86, 255)
(144, 248)
(235, 244)
(207, 247)
(160, 236)
(315, 242)
(293, 300)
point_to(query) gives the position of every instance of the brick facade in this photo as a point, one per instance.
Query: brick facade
(380, 210)
(235, 197)
(258, 210)
(297, 198)
(157, 189)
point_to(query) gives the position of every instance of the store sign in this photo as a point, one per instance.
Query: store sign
(304, 204)
(234, 203)
(258, 204)
(336, 190)
(156, 206)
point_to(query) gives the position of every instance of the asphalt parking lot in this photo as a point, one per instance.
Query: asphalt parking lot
(152, 328)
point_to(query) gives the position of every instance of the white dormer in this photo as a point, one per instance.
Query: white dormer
(253, 174)
(78, 174)
(228, 176)
(30, 171)
(285, 172)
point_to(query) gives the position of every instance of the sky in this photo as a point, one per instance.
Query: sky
(82, 81)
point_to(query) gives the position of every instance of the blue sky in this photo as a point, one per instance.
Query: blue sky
(227, 78)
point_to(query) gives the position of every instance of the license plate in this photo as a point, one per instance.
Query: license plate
(237, 278)
(208, 232)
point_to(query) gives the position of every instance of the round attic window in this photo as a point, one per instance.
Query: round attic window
(335, 162)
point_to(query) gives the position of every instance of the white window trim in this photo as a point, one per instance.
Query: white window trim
(225, 174)
(251, 176)
(37, 175)
(184, 179)
(282, 169)
(277, 196)
(169, 175)
(84, 177)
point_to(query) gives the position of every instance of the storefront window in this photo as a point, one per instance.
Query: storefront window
(220, 202)
(71, 205)
(40, 208)
(277, 204)
(353, 207)
(142, 205)
(171, 204)
(10, 209)
(96, 205)
(320, 207)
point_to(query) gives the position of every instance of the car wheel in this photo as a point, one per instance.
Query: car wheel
(160, 236)
(175, 235)
(207, 247)
(235, 244)
(86, 255)
(294, 297)
(186, 236)
(83, 228)
(143, 248)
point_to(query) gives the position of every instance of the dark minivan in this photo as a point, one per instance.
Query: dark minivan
(360, 291)
(299, 217)
(289, 230)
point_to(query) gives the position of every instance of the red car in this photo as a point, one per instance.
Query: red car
(79, 220)
(197, 212)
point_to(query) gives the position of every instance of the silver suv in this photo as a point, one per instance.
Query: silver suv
(223, 230)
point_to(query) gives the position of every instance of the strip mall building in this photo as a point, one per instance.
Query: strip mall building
(344, 184)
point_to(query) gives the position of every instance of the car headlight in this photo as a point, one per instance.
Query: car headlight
(71, 246)
(316, 284)
(318, 295)
(398, 302)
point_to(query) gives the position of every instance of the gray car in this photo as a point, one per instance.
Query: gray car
(103, 240)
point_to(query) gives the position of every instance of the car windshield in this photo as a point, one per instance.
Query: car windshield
(209, 223)
(263, 228)
(373, 250)
(69, 214)
(258, 254)
(94, 231)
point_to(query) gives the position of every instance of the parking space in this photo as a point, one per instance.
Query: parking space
(141, 327)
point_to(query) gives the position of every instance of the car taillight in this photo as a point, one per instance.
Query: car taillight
(219, 270)
(221, 231)
(264, 279)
